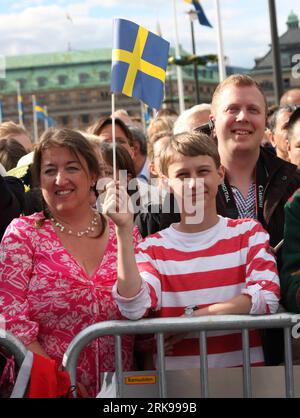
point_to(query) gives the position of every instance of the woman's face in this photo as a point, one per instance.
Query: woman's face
(65, 180)
(106, 136)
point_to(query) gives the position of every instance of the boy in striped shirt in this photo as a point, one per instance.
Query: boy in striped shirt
(220, 265)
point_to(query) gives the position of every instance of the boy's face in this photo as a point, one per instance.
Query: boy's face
(240, 119)
(194, 182)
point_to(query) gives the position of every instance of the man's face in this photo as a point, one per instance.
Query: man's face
(106, 136)
(279, 136)
(294, 145)
(240, 119)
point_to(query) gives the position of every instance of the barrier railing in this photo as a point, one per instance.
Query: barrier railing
(13, 345)
(181, 324)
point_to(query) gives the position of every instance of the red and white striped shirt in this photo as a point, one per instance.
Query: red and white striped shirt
(179, 269)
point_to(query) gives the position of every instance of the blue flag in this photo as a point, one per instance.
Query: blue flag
(200, 12)
(139, 62)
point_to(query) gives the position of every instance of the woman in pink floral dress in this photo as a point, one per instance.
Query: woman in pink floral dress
(57, 267)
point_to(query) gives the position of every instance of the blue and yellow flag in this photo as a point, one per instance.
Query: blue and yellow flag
(200, 12)
(40, 112)
(139, 62)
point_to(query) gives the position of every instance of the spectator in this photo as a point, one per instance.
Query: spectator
(159, 124)
(11, 130)
(294, 137)
(290, 97)
(140, 153)
(278, 126)
(103, 129)
(192, 118)
(218, 265)
(10, 153)
(58, 266)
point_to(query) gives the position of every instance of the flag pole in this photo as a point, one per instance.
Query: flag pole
(1, 112)
(178, 68)
(20, 110)
(35, 125)
(46, 123)
(221, 63)
(113, 127)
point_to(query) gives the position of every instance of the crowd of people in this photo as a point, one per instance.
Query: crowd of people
(209, 196)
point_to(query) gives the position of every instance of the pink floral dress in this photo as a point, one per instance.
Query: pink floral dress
(46, 295)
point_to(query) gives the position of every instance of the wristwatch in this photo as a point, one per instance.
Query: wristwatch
(188, 310)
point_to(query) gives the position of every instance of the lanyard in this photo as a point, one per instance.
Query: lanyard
(260, 185)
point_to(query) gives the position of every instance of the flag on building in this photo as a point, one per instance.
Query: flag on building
(200, 12)
(139, 62)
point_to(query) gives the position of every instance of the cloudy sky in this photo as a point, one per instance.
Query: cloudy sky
(35, 26)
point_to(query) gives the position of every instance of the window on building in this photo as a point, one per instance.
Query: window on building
(2, 84)
(63, 99)
(85, 119)
(286, 83)
(103, 75)
(22, 83)
(104, 94)
(65, 120)
(83, 97)
(266, 85)
(83, 78)
(42, 81)
(62, 80)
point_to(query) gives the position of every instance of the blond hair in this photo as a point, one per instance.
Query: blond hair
(190, 145)
(238, 80)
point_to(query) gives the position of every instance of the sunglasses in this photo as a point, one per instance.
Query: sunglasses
(206, 128)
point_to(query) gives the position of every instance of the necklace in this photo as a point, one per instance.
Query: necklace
(91, 228)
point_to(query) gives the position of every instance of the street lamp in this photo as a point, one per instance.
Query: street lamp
(193, 16)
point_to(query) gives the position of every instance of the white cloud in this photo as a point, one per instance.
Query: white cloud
(34, 26)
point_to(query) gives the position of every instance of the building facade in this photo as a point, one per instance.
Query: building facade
(289, 50)
(75, 87)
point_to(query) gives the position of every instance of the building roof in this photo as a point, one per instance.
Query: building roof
(289, 46)
(71, 69)
(58, 58)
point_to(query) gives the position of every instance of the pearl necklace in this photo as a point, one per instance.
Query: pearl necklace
(91, 228)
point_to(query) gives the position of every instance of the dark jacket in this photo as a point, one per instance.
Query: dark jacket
(11, 201)
(290, 272)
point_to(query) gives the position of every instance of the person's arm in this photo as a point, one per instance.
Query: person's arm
(116, 207)
(239, 305)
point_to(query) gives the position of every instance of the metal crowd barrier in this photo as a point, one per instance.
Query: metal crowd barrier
(13, 345)
(178, 325)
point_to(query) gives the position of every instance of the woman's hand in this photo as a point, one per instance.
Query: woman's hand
(117, 205)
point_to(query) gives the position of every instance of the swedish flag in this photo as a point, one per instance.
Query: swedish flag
(40, 112)
(200, 12)
(139, 62)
